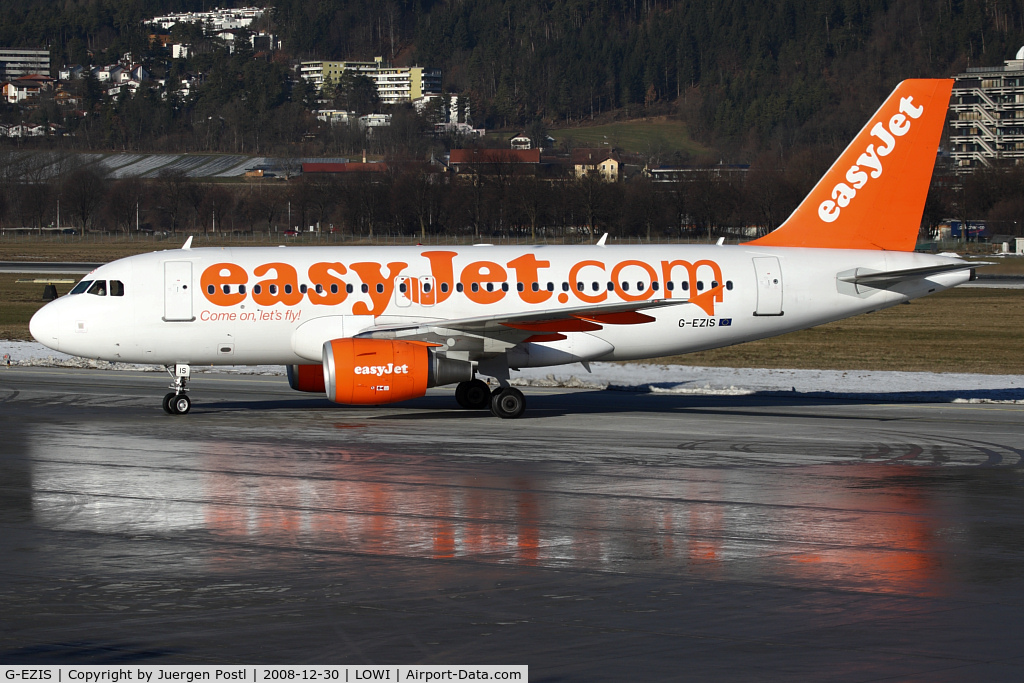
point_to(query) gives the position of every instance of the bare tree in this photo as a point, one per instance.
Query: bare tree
(123, 203)
(83, 194)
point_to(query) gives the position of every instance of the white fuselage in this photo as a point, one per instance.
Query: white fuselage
(167, 315)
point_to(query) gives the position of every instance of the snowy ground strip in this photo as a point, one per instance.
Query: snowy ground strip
(669, 379)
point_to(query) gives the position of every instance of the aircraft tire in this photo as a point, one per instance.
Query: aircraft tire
(473, 395)
(508, 403)
(181, 404)
(167, 403)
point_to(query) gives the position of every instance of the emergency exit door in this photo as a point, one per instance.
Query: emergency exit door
(178, 291)
(769, 285)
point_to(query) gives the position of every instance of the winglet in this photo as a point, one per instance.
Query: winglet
(188, 243)
(873, 196)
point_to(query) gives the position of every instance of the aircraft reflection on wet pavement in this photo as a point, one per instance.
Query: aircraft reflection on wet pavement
(862, 525)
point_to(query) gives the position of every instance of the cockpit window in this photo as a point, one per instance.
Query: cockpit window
(99, 288)
(116, 288)
(81, 287)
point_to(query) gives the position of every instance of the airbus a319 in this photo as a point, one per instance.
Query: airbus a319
(375, 325)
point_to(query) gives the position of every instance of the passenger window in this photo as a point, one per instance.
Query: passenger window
(401, 288)
(685, 285)
(625, 286)
(348, 289)
(458, 287)
(655, 285)
(426, 286)
(670, 286)
(256, 289)
(611, 286)
(504, 286)
(565, 286)
(116, 288)
(728, 285)
(700, 285)
(579, 286)
(551, 286)
(334, 288)
(81, 287)
(365, 288)
(475, 287)
(241, 289)
(444, 287)
(287, 289)
(99, 288)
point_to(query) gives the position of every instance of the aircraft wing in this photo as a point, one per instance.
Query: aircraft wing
(533, 326)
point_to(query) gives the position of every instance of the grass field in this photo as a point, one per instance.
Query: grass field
(962, 330)
(647, 136)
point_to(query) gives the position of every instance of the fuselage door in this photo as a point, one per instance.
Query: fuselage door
(178, 291)
(769, 285)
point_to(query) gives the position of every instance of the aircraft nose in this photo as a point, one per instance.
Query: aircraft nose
(45, 325)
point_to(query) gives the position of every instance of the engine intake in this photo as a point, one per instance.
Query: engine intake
(375, 371)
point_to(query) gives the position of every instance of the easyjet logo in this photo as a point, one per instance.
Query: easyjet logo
(381, 370)
(869, 163)
(482, 282)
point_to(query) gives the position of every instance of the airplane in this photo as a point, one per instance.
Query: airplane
(376, 325)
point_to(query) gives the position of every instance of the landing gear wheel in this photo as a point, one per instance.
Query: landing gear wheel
(167, 403)
(180, 404)
(508, 403)
(473, 395)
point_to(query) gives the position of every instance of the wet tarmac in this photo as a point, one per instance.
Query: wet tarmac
(604, 536)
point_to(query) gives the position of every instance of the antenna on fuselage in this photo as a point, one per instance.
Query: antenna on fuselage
(603, 239)
(188, 243)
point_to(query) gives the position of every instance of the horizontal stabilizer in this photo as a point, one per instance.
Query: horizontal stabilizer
(881, 280)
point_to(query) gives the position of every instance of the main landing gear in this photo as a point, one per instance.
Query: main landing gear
(505, 402)
(178, 402)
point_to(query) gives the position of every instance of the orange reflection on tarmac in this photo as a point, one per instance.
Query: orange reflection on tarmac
(892, 552)
(876, 537)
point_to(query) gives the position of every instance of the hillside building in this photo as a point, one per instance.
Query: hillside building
(987, 115)
(16, 62)
(394, 84)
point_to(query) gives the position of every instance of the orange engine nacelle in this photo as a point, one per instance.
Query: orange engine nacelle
(307, 378)
(373, 371)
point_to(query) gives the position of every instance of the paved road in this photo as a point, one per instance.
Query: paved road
(605, 534)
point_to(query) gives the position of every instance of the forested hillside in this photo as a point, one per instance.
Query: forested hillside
(745, 76)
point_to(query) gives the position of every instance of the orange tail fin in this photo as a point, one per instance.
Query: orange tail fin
(873, 196)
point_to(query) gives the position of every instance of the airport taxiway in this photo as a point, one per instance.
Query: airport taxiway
(603, 536)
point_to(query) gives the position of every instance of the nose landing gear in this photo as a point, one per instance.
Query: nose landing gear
(178, 402)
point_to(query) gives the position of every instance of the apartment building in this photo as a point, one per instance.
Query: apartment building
(16, 62)
(394, 84)
(987, 115)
